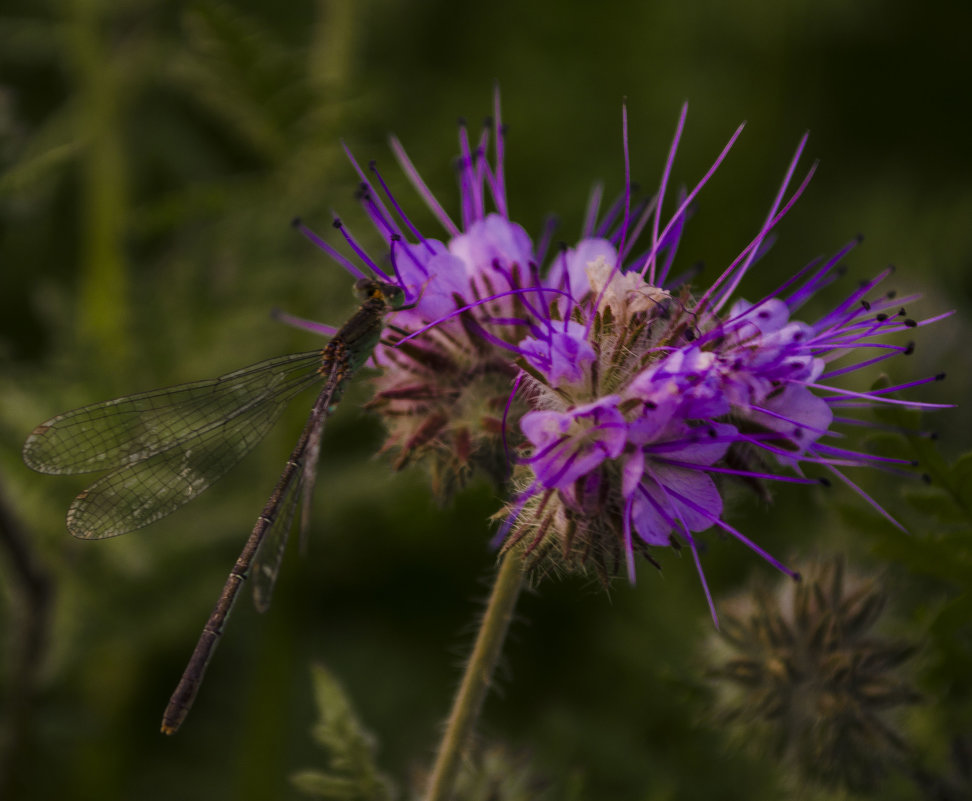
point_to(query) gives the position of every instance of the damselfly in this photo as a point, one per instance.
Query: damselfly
(164, 447)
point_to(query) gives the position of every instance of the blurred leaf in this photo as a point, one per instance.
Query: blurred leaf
(934, 502)
(236, 69)
(497, 774)
(962, 476)
(940, 544)
(352, 774)
(954, 479)
(28, 40)
(44, 154)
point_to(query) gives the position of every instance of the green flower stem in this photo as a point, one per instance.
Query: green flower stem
(478, 676)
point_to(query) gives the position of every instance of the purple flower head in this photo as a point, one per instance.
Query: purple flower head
(435, 276)
(610, 397)
(491, 247)
(561, 353)
(571, 444)
(570, 268)
(673, 459)
(666, 484)
(685, 383)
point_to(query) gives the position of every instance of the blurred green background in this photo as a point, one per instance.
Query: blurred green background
(152, 157)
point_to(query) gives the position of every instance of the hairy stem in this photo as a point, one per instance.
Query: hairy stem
(478, 676)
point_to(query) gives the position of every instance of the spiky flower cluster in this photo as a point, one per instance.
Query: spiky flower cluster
(604, 392)
(801, 673)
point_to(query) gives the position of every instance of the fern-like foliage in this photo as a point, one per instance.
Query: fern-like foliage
(351, 773)
(937, 547)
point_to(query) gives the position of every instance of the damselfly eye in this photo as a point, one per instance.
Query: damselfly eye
(365, 287)
(394, 295)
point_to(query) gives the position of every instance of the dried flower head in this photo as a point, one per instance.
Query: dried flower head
(800, 672)
(610, 396)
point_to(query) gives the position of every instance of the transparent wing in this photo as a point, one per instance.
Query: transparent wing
(140, 493)
(312, 456)
(269, 557)
(300, 475)
(132, 429)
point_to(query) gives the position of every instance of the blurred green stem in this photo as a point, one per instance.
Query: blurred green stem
(332, 47)
(103, 289)
(478, 676)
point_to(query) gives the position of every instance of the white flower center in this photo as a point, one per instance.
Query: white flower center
(627, 293)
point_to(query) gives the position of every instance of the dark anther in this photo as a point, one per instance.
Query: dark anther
(824, 482)
(690, 335)
(373, 165)
(396, 237)
(940, 377)
(296, 222)
(892, 294)
(926, 478)
(910, 323)
(337, 223)
(866, 305)
(909, 349)
(881, 317)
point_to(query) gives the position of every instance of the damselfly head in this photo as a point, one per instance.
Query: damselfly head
(369, 289)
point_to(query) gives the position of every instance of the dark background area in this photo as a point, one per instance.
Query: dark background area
(153, 155)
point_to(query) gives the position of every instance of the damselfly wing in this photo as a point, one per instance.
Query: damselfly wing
(166, 446)
(162, 448)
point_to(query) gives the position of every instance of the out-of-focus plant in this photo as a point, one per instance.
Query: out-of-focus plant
(489, 773)
(802, 673)
(352, 773)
